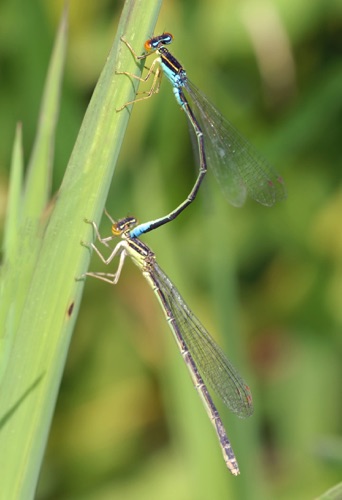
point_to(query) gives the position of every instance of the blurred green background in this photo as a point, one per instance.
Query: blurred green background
(267, 283)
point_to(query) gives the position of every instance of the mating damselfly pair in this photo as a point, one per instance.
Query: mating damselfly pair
(239, 170)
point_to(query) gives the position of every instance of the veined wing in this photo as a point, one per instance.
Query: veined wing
(211, 362)
(237, 165)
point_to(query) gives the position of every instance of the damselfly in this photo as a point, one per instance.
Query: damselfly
(238, 167)
(205, 360)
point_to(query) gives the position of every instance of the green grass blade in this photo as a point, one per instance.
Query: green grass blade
(334, 493)
(8, 278)
(24, 213)
(31, 380)
(11, 234)
(38, 179)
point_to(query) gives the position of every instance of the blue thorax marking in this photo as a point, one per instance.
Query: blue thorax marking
(175, 73)
(172, 68)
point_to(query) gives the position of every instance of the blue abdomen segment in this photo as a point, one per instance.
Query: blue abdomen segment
(141, 229)
(178, 95)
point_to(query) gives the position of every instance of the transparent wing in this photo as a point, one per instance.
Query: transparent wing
(237, 165)
(209, 358)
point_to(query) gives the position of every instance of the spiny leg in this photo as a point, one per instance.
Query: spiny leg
(135, 55)
(154, 87)
(104, 241)
(120, 248)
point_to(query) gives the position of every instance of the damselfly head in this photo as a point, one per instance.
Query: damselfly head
(123, 225)
(158, 41)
